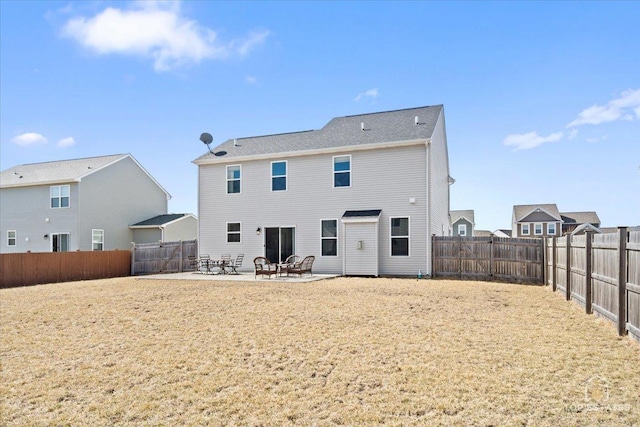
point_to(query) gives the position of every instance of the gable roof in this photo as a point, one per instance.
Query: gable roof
(364, 130)
(62, 171)
(466, 214)
(159, 220)
(580, 217)
(522, 211)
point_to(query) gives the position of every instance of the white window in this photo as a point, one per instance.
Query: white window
(12, 237)
(551, 228)
(462, 230)
(399, 236)
(60, 195)
(342, 171)
(233, 179)
(279, 176)
(525, 229)
(329, 237)
(233, 232)
(97, 240)
(537, 229)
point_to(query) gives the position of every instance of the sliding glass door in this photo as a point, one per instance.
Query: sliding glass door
(280, 242)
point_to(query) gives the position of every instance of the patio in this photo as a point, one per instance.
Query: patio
(243, 276)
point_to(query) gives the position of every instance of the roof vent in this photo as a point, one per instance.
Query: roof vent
(417, 121)
(361, 125)
(235, 142)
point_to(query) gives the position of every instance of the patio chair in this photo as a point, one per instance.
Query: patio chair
(302, 267)
(233, 265)
(264, 266)
(204, 263)
(289, 262)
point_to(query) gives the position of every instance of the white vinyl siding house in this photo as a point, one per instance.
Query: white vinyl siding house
(335, 178)
(58, 206)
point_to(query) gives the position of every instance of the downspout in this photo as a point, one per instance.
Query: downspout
(428, 237)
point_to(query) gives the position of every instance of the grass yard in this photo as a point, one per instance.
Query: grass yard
(346, 351)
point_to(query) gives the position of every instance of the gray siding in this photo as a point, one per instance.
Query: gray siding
(26, 210)
(115, 197)
(184, 229)
(361, 259)
(147, 235)
(456, 227)
(381, 179)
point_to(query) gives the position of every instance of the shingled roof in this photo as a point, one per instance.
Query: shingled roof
(521, 211)
(580, 218)
(55, 172)
(158, 220)
(347, 131)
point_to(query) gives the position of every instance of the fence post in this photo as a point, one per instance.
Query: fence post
(554, 272)
(181, 255)
(568, 266)
(622, 282)
(133, 258)
(491, 257)
(588, 280)
(433, 256)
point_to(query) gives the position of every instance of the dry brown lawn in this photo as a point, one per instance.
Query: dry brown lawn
(345, 351)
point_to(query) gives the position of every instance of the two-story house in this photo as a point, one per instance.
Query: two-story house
(578, 222)
(463, 223)
(80, 204)
(363, 194)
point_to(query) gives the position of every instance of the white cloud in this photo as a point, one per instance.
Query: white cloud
(530, 140)
(251, 80)
(572, 134)
(29, 138)
(616, 109)
(371, 93)
(155, 30)
(66, 142)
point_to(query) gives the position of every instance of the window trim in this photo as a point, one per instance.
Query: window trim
(408, 236)
(522, 229)
(14, 238)
(285, 176)
(233, 179)
(93, 242)
(60, 187)
(239, 232)
(322, 238)
(555, 228)
(333, 164)
(460, 228)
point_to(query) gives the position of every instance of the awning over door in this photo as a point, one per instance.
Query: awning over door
(362, 215)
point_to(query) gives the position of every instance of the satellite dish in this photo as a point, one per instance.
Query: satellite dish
(207, 139)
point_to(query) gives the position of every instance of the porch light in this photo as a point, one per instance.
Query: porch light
(258, 231)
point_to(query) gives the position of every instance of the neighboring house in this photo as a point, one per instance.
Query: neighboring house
(166, 228)
(577, 222)
(536, 221)
(482, 233)
(463, 223)
(363, 194)
(501, 232)
(81, 204)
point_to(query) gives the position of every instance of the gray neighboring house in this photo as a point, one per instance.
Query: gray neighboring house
(363, 194)
(463, 223)
(579, 222)
(166, 228)
(536, 221)
(80, 204)
(502, 232)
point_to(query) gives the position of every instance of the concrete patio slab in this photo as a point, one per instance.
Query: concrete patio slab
(241, 277)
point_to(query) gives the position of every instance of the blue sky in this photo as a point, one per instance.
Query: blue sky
(542, 99)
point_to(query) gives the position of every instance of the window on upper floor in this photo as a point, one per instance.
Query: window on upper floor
(399, 236)
(537, 229)
(97, 240)
(462, 230)
(12, 237)
(329, 237)
(60, 195)
(524, 229)
(234, 173)
(342, 171)
(551, 228)
(233, 232)
(279, 176)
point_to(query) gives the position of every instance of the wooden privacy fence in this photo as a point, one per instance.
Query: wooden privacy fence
(488, 258)
(24, 269)
(163, 257)
(600, 272)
